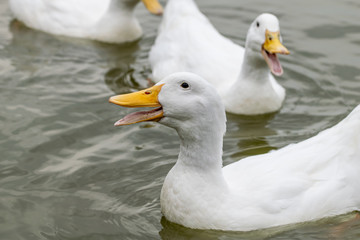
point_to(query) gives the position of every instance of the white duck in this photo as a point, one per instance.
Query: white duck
(313, 179)
(187, 41)
(110, 21)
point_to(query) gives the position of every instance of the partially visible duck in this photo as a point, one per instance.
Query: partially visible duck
(110, 21)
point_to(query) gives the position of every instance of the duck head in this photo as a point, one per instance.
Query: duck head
(264, 40)
(183, 101)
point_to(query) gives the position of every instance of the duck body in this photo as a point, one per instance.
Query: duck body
(313, 179)
(110, 21)
(302, 182)
(187, 41)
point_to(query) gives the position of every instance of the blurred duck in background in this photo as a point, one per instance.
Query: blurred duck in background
(187, 41)
(111, 21)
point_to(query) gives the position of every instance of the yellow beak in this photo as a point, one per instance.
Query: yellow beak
(153, 6)
(269, 50)
(144, 98)
(272, 43)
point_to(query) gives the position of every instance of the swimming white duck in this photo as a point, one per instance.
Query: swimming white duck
(313, 179)
(187, 41)
(110, 21)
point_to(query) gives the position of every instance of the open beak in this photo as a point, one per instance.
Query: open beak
(269, 50)
(153, 6)
(144, 98)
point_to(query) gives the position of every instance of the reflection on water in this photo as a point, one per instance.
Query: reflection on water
(341, 227)
(247, 136)
(43, 49)
(67, 173)
(121, 80)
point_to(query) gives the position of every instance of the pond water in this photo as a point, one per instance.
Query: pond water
(67, 173)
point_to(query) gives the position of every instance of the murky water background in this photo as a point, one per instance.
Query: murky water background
(67, 173)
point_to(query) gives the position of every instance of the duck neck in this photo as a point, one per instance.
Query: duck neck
(119, 23)
(254, 68)
(201, 148)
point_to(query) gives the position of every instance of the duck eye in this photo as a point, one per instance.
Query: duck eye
(257, 24)
(184, 85)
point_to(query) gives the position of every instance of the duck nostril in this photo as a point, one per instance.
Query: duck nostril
(147, 92)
